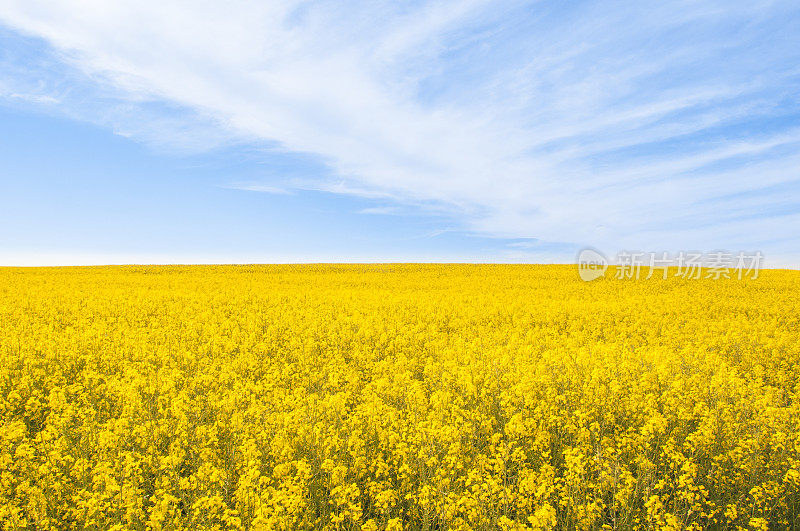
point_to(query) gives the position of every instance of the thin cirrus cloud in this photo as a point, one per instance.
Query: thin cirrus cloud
(667, 125)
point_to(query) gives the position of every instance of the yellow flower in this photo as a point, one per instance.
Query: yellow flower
(396, 396)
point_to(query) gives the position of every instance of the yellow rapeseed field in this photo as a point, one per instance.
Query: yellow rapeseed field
(396, 397)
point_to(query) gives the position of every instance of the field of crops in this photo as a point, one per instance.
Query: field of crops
(396, 397)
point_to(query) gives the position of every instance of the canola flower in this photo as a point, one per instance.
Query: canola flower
(396, 397)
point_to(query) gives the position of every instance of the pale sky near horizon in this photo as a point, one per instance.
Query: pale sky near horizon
(323, 131)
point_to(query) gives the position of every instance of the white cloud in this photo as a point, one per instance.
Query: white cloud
(381, 211)
(612, 124)
(263, 188)
(34, 98)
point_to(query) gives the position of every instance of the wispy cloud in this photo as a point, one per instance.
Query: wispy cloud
(34, 98)
(382, 211)
(605, 123)
(250, 187)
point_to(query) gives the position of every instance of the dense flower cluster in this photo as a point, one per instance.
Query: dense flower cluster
(396, 397)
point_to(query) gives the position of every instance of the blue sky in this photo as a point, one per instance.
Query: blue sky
(505, 131)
